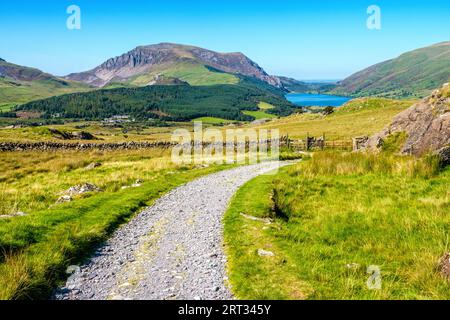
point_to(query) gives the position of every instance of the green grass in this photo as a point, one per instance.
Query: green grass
(252, 276)
(265, 106)
(358, 117)
(337, 210)
(213, 120)
(36, 249)
(260, 114)
(6, 107)
(11, 95)
(192, 73)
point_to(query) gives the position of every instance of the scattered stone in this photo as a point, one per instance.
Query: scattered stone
(64, 199)
(264, 253)
(352, 266)
(73, 269)
(137, 184)
(17, 214)
(444, 266)
(93, 165)
(82, 188)
(265, 220)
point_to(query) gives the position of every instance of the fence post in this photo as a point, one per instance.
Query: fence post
(324, 141)
(307, 141)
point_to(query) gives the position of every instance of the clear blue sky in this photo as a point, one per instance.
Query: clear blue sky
(298, 38)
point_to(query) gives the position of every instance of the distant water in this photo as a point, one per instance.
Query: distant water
(316, 100)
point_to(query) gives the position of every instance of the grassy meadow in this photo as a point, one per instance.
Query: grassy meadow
(334, 216)
(35, 249)
(14, 94)
(194, 74)
(358, 117)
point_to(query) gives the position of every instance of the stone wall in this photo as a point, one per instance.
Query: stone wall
(50, 146)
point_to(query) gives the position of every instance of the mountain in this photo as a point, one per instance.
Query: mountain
(20, 84)
(423, 128)
(413, 74)
(194, 65)
(294, 85)
(297, 86)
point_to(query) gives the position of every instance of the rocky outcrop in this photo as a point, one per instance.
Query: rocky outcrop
(444, 266)
(150, 58)
(426, 124)
(82, 135)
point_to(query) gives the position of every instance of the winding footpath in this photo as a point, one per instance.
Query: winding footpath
(171, 250)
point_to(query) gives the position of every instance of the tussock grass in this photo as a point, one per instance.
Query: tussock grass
(339, 213)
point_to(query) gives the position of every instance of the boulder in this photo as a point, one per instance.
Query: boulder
(426, 124)
(82, 188)
(444, 266)
(444, 156)
(93, 165)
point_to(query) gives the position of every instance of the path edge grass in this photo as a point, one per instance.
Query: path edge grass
(38, 267)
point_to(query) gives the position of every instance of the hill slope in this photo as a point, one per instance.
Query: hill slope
(296, 86)
(19, 84)
(194, 65)
(413, 74)
(175, 102)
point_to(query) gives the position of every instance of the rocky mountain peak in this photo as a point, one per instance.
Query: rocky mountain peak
(146, 59)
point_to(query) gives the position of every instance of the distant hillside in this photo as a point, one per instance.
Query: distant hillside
(297, 86)
(413, 74)
(19, 84)
(174, 102)
(191, 64)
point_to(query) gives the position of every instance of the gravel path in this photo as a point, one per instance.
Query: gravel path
(171, 250)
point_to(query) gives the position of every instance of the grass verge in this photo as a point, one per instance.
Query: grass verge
(336, 215)
(36, 249)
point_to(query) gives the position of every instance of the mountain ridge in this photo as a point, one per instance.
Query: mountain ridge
(414, 73)
(157, 58)
(21, 84)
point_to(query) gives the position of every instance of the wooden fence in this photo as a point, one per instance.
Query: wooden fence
(316, 143)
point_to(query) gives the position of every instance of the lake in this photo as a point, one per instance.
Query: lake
(319, 100)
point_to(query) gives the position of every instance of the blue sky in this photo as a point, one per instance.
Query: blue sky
(298, 38)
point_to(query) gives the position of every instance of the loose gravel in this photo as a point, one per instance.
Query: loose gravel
(171, 250)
